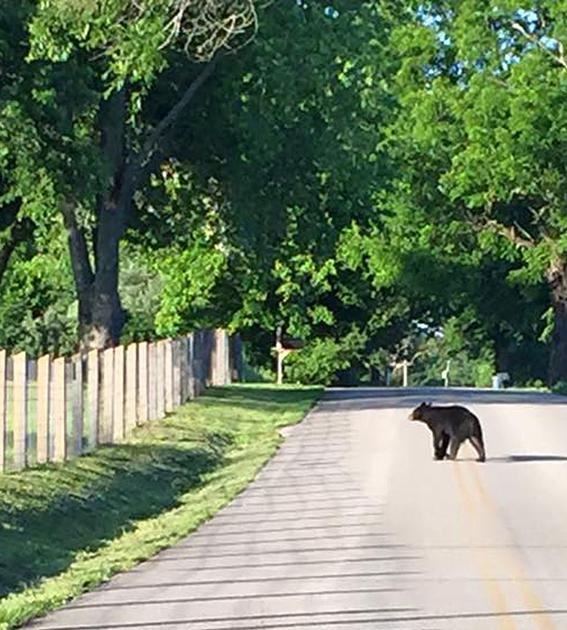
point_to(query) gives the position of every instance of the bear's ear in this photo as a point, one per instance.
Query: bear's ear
(427, 404)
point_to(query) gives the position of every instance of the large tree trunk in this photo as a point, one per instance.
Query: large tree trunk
(101, 316)
(502, 350)
(557, 278)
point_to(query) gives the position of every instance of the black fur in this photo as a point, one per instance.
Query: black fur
(450, 427)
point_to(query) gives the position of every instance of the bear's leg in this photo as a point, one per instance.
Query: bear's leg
(441, 444)
(478, 447)
(454, 447)
(437, 439)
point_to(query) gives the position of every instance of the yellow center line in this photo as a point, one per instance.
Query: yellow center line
(494, 592)
(528, 593)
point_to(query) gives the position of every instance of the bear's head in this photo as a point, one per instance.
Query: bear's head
(418, 412)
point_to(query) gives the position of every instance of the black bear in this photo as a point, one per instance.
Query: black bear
(451, 426)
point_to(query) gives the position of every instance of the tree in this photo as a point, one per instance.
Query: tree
(83, 79)
(481, 132)
(293, 131)
(24, 187)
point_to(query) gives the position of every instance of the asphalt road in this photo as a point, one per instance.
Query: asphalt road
(354, 526)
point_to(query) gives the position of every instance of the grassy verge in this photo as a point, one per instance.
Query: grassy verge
(65, 529)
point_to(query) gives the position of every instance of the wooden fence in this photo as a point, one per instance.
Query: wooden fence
(53, 409)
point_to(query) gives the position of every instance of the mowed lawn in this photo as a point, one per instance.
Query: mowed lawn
(65, 529)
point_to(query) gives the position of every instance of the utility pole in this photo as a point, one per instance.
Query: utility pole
(405, 372)
(279, 355)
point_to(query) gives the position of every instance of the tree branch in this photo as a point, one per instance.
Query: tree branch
(170, 118)
(559, 56)
(82, 269)
(510, 232)
(211, 27)
(112, 136)
(139, 166)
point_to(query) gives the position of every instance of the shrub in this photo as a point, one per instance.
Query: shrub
(325, 361)
(317, 363)
(560, 388)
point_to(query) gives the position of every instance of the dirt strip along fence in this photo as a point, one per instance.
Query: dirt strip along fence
(54, 409)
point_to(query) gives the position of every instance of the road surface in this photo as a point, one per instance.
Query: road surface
(354, 526)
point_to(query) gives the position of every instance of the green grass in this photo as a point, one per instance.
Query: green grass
(65, 529)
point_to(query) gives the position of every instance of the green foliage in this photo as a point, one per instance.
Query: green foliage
(141, 288)
(318, 363)
(190, 278)
(462, 345)
(135, 37)
(298, 151)
(475, 215)
(37, 302)
(560, 388)
(466, 369)
(85, 114)
(323, 360)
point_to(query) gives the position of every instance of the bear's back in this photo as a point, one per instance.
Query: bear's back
(452, 417)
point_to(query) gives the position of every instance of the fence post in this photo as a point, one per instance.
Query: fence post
(213, 358)
(43, 377)
(227, 367)
(77, 405)
(197, 350)
(224, 358)
(59, 409)
(3, 424)
(143, 383)
(160, 380)
(206, 357)
(176, 352)
(20, 413)
(221, 356)
(168, 345)
(152, 381)
(106, 425)
(183, 369)
(93, 385)
(118, 397)
(219, 334)
(191, 367)
(131, 386)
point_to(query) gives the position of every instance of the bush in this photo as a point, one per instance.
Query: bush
(317, 363)
(327, 361)
(535, 383)
(560, 388)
